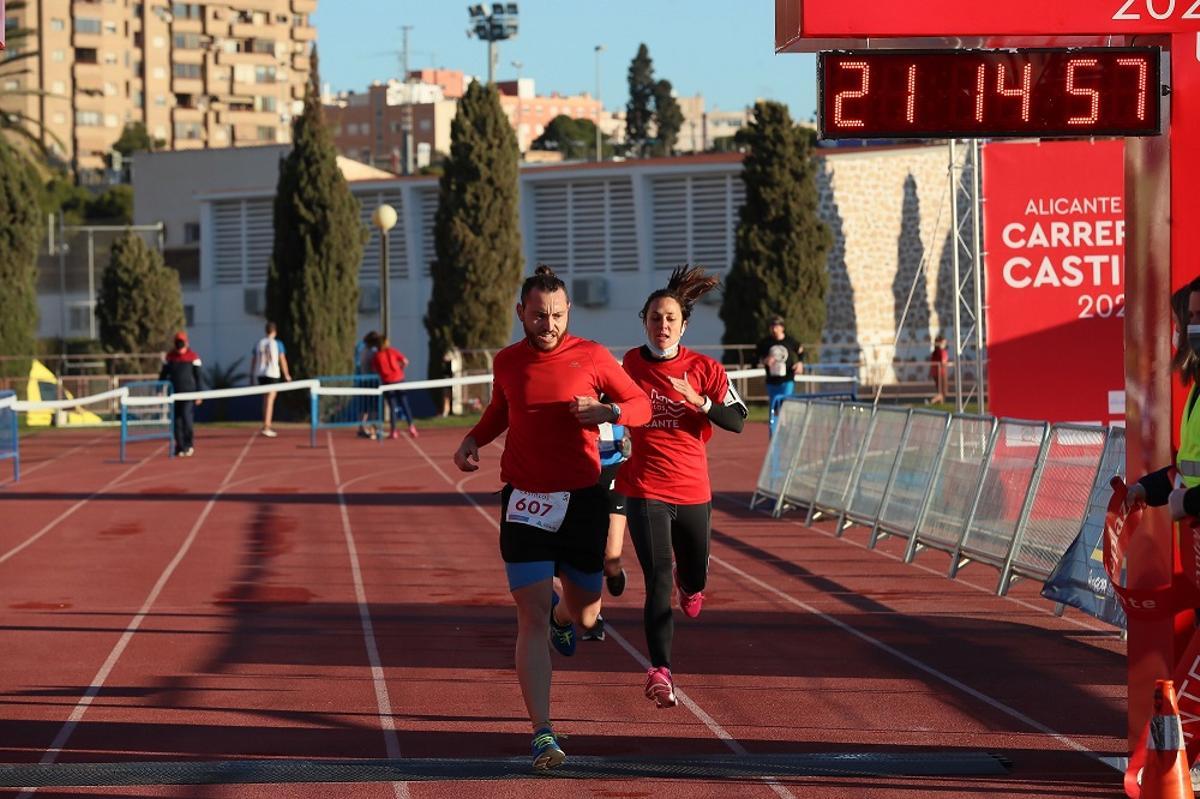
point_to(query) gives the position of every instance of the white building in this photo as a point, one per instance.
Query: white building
(612, 230)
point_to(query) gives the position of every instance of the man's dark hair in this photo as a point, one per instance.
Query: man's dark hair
(687, 284)
(271, 328)
(544, 280)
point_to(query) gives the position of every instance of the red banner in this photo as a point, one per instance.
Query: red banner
(1054, 234)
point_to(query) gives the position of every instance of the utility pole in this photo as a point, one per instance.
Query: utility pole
(407, 115)
(599, 102)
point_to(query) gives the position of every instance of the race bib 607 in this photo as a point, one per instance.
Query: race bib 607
(544, 511)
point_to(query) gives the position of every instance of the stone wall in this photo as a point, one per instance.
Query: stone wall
(889, 212)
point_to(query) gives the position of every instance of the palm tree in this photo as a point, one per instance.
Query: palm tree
(15, 62)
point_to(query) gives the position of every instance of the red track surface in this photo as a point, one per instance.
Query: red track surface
(213, 609)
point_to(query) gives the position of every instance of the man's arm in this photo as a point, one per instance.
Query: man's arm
(619, 386)
(283, 368)
(494, 420)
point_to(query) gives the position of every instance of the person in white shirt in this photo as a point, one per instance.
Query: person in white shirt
(270, 366)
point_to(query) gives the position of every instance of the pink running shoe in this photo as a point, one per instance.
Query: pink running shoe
(412, 431)
(690, 604)
(660, 687)
(394, 435)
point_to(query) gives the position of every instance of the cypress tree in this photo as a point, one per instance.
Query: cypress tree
(140, 304)
(312, 278)
(477, 239)
(638, 111)
(668, 117)
(779, 261)
(20, 227)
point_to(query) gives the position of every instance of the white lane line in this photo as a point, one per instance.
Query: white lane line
(995, 704)
(382, 699)
(1084, 623)
(71, 510)
(705, 719)
(110, 662)
(28, 470)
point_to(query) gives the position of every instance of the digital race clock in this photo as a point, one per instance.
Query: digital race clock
(1042, 92)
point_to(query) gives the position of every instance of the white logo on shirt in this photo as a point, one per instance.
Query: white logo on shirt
(665, 411)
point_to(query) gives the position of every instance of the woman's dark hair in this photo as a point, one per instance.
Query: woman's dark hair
(687, 284)
(1184, 361)
(371, 339)
(543, 279)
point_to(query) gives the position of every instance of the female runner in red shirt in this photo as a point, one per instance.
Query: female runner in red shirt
(666, 477)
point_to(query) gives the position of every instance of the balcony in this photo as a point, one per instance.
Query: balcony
(304, 6)
(306, 33)
(187, 85)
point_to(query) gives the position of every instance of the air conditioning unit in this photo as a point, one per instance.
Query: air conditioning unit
(590, 292)
(368, 299)
(255, 301)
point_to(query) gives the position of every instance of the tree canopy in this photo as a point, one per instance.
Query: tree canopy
(779, 264)
(477, 237)
(574, 138)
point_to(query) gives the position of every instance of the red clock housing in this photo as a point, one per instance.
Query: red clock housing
(1014, 93)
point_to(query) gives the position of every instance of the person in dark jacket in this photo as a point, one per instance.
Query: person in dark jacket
(181, 367)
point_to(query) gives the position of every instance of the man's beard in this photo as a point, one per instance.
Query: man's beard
(538, 343)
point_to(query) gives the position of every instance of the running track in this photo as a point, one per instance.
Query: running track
(264, 600)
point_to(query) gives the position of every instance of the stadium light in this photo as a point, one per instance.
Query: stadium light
(495, 27)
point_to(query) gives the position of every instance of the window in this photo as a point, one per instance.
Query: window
(425, 124)
(266, 133)
(187, 11)
(139, 99)
(189, 315)
(264, 103)
(58, 87)
(80, 318)
(11, 22)
(160, 100)
(83, 55)
(87, 25)
(159, 73)
(191, 232)
(111, 58)
(188, 71)
(88, 119)
(189, 130)
(57, 24)
(110, 120)
(263, 46)
(186, 41)
(9, 85)
(110, 26)
(264, 74)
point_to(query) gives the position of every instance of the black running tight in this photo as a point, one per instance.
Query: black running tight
(660, 529)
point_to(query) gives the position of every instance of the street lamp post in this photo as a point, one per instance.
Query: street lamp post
(517, 65)
(384, 218)
(599, 103)
(497, 26)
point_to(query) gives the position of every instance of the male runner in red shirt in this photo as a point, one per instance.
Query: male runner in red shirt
(553, 512)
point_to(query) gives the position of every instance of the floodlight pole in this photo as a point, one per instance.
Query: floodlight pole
(493, 54)
(599, 102)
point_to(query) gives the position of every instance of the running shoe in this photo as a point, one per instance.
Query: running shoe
(412, 431)
(187, 453)
(690, 604)
(616, 583)
(268, 432)
(546, 751)
(660, 688)
(395, 434)
(362, 433)
(563, 638)
(595, 632)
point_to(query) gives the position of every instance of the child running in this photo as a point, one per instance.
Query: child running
(666, 477)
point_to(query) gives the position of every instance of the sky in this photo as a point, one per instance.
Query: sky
(723, 49)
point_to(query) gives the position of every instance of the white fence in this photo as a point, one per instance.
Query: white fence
(1008, 493)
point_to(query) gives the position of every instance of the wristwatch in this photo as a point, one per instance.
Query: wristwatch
(616, 409)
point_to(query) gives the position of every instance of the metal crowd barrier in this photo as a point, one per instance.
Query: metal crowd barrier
(1008, 493)
(10, 441)
(148, 422)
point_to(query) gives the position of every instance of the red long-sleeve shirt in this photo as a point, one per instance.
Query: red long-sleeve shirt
(532, 392)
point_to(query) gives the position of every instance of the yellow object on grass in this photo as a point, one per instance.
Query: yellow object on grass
(43, 387)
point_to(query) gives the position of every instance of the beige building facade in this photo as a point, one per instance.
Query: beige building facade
(216, 74)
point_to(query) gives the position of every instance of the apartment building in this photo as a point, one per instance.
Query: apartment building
(220, 73)
(370, 126)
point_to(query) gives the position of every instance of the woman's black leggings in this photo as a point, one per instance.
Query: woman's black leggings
(660, 529)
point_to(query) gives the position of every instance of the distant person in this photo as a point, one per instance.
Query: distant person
(939, 360)
(364, 357)
(389, 363)
(666, 477)
(270, 367)
(448, 372)
(546, 392)
(182, 369)
(783, 358)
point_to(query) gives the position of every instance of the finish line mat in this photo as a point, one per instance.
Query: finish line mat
(724, 767)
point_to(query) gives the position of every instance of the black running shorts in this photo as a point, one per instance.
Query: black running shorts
(579, 542)
(608, 481)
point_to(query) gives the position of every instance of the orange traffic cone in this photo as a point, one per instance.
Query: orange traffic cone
(1166, 774)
